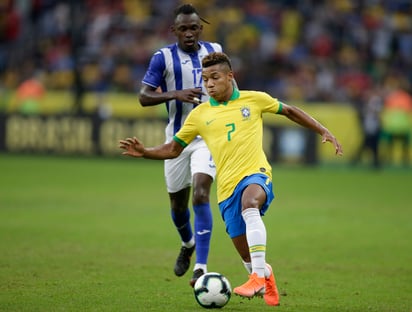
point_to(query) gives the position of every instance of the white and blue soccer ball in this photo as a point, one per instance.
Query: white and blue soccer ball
(212, 290)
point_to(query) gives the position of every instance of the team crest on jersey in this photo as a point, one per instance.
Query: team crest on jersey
(245, 110)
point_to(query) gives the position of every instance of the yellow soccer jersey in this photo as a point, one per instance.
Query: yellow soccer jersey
(232, 128)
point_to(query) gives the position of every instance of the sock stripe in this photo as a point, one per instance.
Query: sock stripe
(257, 248)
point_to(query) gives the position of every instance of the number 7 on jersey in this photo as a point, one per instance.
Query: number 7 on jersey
(229, 132)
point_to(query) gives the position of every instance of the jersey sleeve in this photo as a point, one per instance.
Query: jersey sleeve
(217, 47)
(189, 130)
(154, 74)
(269, 104)
(212, 46)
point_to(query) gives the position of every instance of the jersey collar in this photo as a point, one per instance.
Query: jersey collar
(235, 95)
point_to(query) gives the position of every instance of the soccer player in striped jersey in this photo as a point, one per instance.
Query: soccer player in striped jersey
(232, 126)
(174, 77)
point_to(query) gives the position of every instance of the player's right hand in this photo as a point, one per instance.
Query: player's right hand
(192, 95)
(132, 146)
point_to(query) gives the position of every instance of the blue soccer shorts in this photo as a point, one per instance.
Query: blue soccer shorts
(231, 208)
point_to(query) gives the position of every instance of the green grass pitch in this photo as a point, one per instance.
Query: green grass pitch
(95, 234)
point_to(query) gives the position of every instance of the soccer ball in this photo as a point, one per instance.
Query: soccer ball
(212, 290)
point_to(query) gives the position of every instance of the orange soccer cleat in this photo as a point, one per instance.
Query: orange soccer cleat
(255, 286)
(271, 295)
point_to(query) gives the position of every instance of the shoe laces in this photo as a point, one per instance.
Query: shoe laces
(254, 281)
(270, 287)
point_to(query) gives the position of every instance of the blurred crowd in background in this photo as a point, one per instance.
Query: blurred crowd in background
(309, 50)
(356, 52)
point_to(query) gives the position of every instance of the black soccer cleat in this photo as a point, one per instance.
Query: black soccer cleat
(196, 274)
(183, 260)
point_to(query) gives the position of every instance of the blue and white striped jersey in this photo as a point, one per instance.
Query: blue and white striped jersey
(171, 68)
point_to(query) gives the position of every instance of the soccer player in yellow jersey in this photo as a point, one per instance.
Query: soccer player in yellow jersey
(231, 125)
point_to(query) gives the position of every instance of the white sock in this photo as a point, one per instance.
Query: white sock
(256, 239)
(190, 243)
(200, 266)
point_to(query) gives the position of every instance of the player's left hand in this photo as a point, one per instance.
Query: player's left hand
(132, 146)
(328, 137)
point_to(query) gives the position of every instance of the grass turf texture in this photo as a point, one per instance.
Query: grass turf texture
(79, 234)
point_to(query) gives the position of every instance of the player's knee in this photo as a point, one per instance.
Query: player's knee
(200, 196)
(179, 209)
(251, 202)
(201, 192)
(253, 197)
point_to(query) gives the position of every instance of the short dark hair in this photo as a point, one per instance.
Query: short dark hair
(188, 9)
(216, 58)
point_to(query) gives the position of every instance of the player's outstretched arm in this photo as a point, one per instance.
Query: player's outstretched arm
(135, 148)
(299, 116)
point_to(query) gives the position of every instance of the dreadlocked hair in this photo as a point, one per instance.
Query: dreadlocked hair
(185, 9)
(188, 9)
